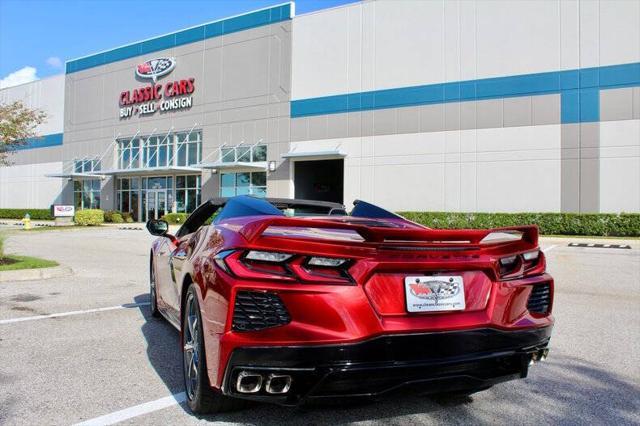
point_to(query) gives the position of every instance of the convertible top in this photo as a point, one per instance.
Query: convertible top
(246, 205)
(280, 203)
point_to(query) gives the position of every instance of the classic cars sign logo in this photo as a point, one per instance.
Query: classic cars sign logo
(173, 95)
(155, 68)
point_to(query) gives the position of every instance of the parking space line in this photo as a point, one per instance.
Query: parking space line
(135, 411)
(548, 249)
(66, 314)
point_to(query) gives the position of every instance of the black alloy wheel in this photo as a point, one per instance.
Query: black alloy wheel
(201, 397)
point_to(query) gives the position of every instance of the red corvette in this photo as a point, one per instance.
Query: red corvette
(286, 301)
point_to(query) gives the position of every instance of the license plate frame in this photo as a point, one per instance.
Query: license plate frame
(434, 293)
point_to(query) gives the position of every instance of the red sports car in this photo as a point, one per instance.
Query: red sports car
(286, 301)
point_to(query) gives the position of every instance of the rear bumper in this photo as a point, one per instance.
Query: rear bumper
(431, 362)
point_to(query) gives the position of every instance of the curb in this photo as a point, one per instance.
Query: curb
(35, 274)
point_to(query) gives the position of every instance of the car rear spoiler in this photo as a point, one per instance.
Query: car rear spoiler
(392, 236)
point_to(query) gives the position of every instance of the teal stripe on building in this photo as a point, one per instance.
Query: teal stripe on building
(579, 89)
(45, 141)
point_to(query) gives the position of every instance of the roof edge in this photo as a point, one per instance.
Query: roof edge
(285, 11)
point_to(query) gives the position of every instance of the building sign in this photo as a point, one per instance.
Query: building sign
(146, 100)
(58, 210)
(155, 68)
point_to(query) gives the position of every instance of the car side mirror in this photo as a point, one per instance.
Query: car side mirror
(160, 228)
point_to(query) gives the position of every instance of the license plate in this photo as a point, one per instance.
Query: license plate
(434, 293)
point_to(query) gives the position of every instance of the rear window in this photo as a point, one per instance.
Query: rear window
(301, 211)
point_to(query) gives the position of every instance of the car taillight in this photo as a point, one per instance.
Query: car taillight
(261, 265)
(333, 262)
(267, 256)
(522, 265)
(322, 269)
(219, 260)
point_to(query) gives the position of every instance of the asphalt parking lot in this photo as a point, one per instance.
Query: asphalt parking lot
(120, 364)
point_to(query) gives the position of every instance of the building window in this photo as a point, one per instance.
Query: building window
(128, 196)
(189, 149)
(129, 154)
(157, 151)
(157, 183)
(245, 154)
(86, 194)
(86, 166)
(243, 183)
(175, 149)
(187, 193)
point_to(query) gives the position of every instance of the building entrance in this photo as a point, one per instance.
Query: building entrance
(156, 203)
(321, 180)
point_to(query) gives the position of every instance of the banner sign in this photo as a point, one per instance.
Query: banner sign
(59, 210)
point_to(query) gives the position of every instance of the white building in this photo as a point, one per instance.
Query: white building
(415, 105)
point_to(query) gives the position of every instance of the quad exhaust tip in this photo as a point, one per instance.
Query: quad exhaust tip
(251, 382)
(278, 383)
(539, 356)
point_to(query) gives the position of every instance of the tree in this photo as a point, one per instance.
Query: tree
(17, 124)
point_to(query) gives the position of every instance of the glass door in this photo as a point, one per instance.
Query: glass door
(161, 204)
(156, 201)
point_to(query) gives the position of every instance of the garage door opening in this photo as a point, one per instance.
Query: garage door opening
(320, 180)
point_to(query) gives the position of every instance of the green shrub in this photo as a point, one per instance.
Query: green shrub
(600, 224)
(90, 217)
(127, 217)
(108, 215)
(36, 214)
(116, 218)
(175, 218)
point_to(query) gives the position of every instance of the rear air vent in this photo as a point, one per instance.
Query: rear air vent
(540, 299)
(256, 311)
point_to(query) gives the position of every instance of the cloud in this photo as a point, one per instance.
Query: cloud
(23, 75)
(54, 62)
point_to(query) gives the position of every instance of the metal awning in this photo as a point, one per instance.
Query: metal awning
(313, 155)
(77, 176)
(254, 165)
(151, 171)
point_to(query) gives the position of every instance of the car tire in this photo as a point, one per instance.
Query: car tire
(201, 397)
(153, 296)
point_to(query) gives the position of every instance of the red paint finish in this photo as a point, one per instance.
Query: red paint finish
(363, 301)
(387, 294)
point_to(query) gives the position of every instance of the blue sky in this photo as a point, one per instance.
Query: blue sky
(38, 36)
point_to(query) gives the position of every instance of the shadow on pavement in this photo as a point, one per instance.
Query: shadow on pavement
(563, 390)
(163, 347)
